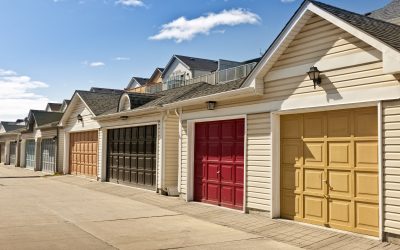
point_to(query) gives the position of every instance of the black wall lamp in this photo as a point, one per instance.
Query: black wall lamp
(79, 117)
(211, 105)
(54, 138)
(315, 76)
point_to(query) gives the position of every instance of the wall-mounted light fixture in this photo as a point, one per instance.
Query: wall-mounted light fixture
(54, 138)
(315, 76)
(79, 118)
(211, 105)
(124, 117)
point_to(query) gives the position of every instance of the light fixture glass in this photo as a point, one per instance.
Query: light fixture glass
(211, 105)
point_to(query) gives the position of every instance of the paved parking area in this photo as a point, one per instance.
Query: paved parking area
(66, 212)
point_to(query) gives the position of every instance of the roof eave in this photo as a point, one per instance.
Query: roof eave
(128, 113)
(241, 92)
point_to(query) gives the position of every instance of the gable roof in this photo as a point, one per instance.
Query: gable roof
(136, 99)
(193, 63)
(377, 33)
(54, 106)
(99, 103)
(199, 63)
(384, 31)
(42, 117)
(389, 12)
(11, 126)
(140, 80)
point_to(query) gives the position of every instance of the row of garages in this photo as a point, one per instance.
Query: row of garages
(326, 155)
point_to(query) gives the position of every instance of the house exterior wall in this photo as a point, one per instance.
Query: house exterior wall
(72, 125)
(175, 68)
(391, 166)
(352, 76)
(171, 140)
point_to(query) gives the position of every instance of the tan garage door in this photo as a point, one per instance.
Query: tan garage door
(329, 169)
(83, 153)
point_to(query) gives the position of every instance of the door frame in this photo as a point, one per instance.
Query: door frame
(191, 144)
(104, 143)
(276, 154)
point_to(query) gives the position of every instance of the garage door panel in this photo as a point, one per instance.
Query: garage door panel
(30, 159)
(313, 181)
(135, 149)
(219, 150)
(314, 126)
(314, 153)
(339, 154)
(314, 208)
(227, 151)
(291, 152)
(367, 185)
(340, 213)
(366, 123)
(339, 183)
(48, 155)
(367, 154)
(339, 124)
(367, 216)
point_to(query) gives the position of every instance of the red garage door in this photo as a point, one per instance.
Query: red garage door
(219, 168)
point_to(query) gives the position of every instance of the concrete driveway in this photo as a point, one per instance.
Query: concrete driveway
(38, 212)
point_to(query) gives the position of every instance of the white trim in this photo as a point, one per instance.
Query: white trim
(180, 152)
(241, 92)
(190, 157)
(129, 113)
(308, 102)
(104, 146)
(158, 161)
(67, 112)
(245, 166)
(380, 168)
(161, 136)
(275, 159)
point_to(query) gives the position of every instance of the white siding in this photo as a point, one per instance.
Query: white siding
(60, 150)
(391, 166)
(100, 153)
(259, 162)
(171, 164)
(184, 159)
(73, 125)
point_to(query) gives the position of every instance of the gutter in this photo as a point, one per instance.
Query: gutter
(248, 91)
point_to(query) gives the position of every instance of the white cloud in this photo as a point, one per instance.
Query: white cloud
(17, 95)
(183, 29)
(96, 64)
(120, 58)
(130, 3)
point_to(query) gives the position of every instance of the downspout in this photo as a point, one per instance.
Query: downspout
(179, 115)
(57, 147)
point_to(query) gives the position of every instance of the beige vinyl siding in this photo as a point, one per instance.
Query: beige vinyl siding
(171, 164)
(60, 150)
(391, 166)
(184, 159)
(259, 162)
(72, 124)
(48, 134)
(320, 41)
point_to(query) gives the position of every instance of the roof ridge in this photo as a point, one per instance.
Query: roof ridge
(354, 13)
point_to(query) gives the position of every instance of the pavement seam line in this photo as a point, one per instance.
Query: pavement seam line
(138, 218)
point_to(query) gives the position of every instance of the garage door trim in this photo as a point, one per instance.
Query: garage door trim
(276, 154)
(191, 124)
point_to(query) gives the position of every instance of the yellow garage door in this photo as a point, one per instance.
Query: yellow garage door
(329, 169)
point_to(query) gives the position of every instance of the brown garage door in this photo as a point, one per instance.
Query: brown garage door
(131, 156)
(83, 153)
(329, 169)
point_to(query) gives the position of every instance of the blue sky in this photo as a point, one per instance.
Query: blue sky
(49, 48)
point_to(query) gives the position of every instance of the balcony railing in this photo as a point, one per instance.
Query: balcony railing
(217, 77)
